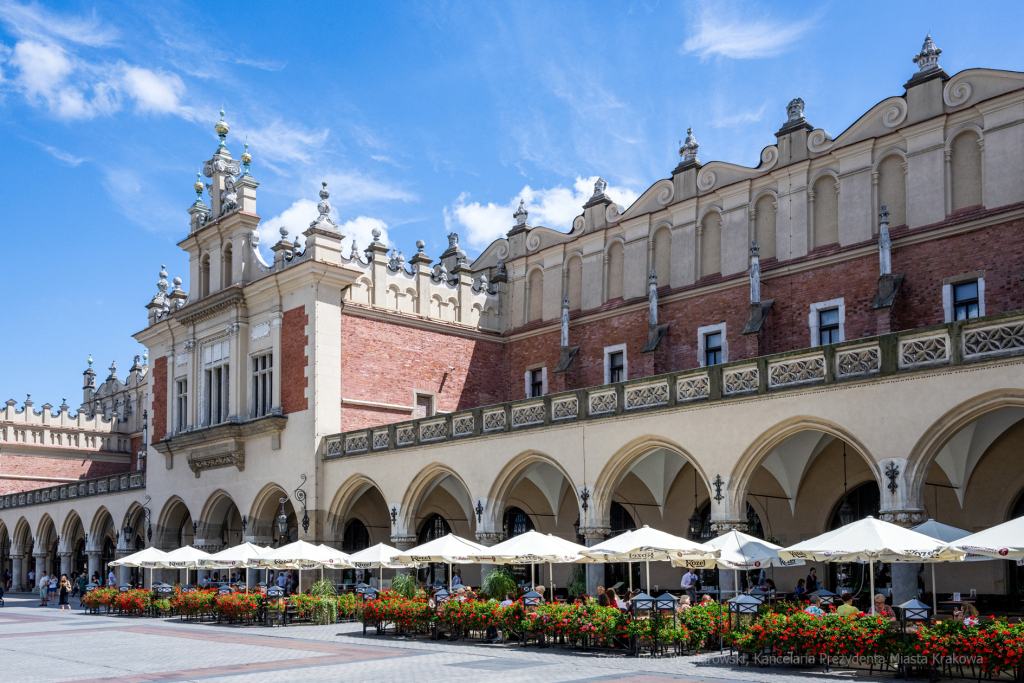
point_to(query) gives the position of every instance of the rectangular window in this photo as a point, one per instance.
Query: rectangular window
(713, 349)
(181, 405)
(537, 382)
(262, 384)
(828, 326)
(424, 405)
(966, 301)
(216, 395)
(616, 367)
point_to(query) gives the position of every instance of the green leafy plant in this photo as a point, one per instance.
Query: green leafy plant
(499, 582)
(405, 585)
(325, 608)
(577, 584)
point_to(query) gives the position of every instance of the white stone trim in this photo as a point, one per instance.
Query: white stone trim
(543, 380)
(608, 351)
(814, 319)
(702, 334)
(947, 299)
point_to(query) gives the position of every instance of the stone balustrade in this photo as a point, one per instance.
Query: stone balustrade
(99, 486)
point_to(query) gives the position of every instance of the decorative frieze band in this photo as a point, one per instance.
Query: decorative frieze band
(796, 371)
(858, 362)
(646, 395)
(565, 408)
(692, 387)
(924, 351)
(81, 489)
(993, 340)
(602, 402)
(526, 415)
(740, 380)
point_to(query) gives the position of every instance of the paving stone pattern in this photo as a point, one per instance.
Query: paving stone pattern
(44, 645)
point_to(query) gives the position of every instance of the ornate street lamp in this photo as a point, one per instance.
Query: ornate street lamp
(282, 522)
(128, 535)
(149, 525)
(845, 510)
(300, 495)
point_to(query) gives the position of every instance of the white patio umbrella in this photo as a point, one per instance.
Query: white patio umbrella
(644, 545)
(871, 540)
(381, 557)
(738, 551)
(1002, 542)
(301, 555)
(185, 558)
(449, 549)
(236, 556)
(947, 533)
(532, 547)
(136, 559)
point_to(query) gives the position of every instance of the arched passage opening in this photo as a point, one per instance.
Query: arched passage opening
(359, 518)
(650, 482)
(264, 526)
(220, 523)
(73, 534)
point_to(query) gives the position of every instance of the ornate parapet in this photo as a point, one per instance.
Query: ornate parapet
(114, 483)
(222, 445)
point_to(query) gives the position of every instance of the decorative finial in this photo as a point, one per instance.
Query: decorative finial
(376, 235)
(145, 356)
(355, 250)
(652, 299)
(795, 110)
(565, 321)
(653, 278)
(460, 256)
(90, 361)
(222, 130)
(246, 157)
(600, 186)
(521, 213)
(284, 232)
(198, 187)
(688, 150)
(162, 282)
(64, 402)
(176, 282)
(755, 248)
(420, 244)
(324, 206)
(928, 57)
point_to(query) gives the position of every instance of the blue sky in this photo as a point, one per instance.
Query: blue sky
(423, 118)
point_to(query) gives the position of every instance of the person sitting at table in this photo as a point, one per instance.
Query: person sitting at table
(509, 599)
(456, 577)
(814, 607)
(205, 583)
(540, 590)
(883, 609)
(847, 606)
(684, 603)
(613, 599)
(707, 599)
(800, 588)
(769, 585)
(602, 600)
(967, 613)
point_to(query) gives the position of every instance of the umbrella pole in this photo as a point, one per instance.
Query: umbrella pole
(736, 580)
(648, 562)
(935, 592)
(871, 568)
(629, 566)
(533, 580)
(449, 576)
(551, 582)
(381, 579)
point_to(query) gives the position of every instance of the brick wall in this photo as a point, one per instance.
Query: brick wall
(159, 389)
(382, 362)
(294, 360)
(136, 447)
(997, 250)
(50, 467)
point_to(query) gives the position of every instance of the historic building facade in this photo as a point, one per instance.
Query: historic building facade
(833, 333)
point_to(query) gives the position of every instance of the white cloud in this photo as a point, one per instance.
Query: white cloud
(277, 141)
(61, 155)
(35, 22)
(739, 117)
(155, 92)
(743, 38)
(554, 208)
(43, 67)
(300, 214)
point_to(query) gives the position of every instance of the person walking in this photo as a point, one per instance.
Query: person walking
(44, 589)
(81, 582)
(64, 590)
(53, 588)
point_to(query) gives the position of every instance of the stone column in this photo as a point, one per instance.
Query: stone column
(17, 573)
(66, 563)
(403, 542)
(487, 539)
(94, 563)
(595, 572)
(40, 567)
(904, 574)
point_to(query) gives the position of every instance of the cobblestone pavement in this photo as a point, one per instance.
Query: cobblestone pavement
(44, 645)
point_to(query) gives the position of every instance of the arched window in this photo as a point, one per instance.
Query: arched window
(966, 170)
(710, 244)
(106, 557)
(434, 526)
(204, 276)
(356, 537)
(575, 283)
(754, 527)
(826, 211)
(225, 273)
(892, 190)
(536, 295)
(516, 522)
(616, 262)
(862, 501)
(764, 225)
(662, 261)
